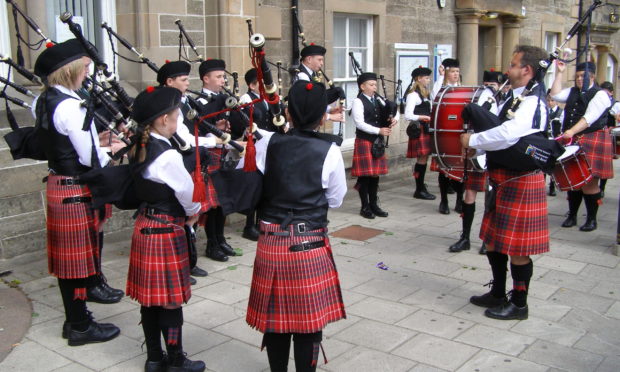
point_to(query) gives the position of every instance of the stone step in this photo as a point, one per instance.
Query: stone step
(22, 179)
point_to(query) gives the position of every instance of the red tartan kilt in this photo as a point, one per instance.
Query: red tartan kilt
(476, 181)
(211, 200)
(295, 292)
(159, 264)
(363, 162)
(419, 146)
(215, 159)
(519, 225)
(107, 212)
(72, 232)
(599, 153)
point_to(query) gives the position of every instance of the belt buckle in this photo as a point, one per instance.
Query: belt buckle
(301, 228)
(304, 245)
(69, 182)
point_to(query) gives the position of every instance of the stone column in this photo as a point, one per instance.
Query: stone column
(467, 47)
(512, 30)
(601, 63)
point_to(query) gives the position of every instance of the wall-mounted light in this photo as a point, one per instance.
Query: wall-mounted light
(614, 17)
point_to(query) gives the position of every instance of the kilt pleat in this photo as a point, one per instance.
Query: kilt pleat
(421, 146)
(476, 181)
(519, 225)
(159, 264)
(599, 153)
(364, 164)
(72, 231)
(293, 292)
(215, 159)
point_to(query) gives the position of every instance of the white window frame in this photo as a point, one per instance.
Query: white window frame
(550, 76)
(5, 41)
(348, 143)
(611, 66)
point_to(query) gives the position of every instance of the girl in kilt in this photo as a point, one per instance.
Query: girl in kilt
(295, 288)
(366, 166)
(159, 273)
(418, 109)
(73, 226)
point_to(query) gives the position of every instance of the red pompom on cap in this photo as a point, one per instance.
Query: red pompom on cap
(311, 43)
(421, 66)
(492, 69)
(150, 89)
(167, 61)
(309, 86)
(49, 44)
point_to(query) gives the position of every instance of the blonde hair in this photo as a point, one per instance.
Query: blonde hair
(66, 75)
(138, 151)
(421, 89)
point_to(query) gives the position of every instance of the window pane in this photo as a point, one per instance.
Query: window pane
(340, 32)
(340, 61)
(355, 31)
(361, 57)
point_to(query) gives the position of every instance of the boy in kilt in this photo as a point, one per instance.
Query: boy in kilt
(585, 116)
(418, 109)
(366, 166)
(159, 274)
(515, 225)
(295, 288)
(73, 226)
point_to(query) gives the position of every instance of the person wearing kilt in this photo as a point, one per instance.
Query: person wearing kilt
(72, 148)
(367, 167)
(449, 75)
(295, 289)
(585, 116)
(159, 273)
(175, 74)
(515, 223)
(477, 178)
(418, 112)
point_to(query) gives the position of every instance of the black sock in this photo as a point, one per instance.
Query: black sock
(468, 218)
(306, 350)
(443, 187)
(498, 262)
(602, 185)
(250, 218)
(171, 325)
(459, 188)
(373, 190)
(521, 275)
(362, 183)
(75, 308)
(278, 349)
(419, 172)
(219, 225)
(591, 202)
(152, 332)
(574, 201)
(210, 225)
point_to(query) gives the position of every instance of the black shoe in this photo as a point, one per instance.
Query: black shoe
(214, 252)
(378, 211)
(507, 311)
(424, 195)
(192, 280)
(196, 271)
(227, 249)
(188, 366)
(112, 291)
(590, 225)
(483, 249)
(570, 221)
(487, 300)
(66, 326)
(159, 366)
(551, 192)
(458, 206)
(250, 233)
(94, 333)
(461, 245)
(367, 213)
(443, 208)
(100, 295)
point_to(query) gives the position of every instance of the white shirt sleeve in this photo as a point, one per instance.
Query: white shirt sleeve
(333, 177)
(168, 169)
(598, 106)
(615, 109)
(509, 132)
(184, 133)
(485, 96)
(437, 86)
(562, 96)
(357, 111)
(303, 76)
(413, 99)
(68, 120)
(245, 98)
(261, 151)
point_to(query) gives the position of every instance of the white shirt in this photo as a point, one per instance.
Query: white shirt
(509, 132)
(333, 177)
(615, 109)
(413, 99)
(487, 94)
(169, 170)
(357, 111)
(187, 136)
(597, 106)
(304, 73)
(69, 120)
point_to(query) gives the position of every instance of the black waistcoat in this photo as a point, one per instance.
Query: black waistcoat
(576, 106)
(371, 116)
(423, 108)
(60, 153)
(292, 184)
(156, 195)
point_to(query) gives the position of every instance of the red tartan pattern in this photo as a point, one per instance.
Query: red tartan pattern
(159, 264)
(599, 153)
(476, 181)
(296, 292)
(107, 212)
(72, 232)
(519, 225)
(419, 146)
(215, 159)
(363, 162)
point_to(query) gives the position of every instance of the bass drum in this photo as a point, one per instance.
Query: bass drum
(447, 125)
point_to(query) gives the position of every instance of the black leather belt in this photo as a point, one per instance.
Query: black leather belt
(71, 182)
(306, 246)
(299, 229)
(156, 230)
(77, 200)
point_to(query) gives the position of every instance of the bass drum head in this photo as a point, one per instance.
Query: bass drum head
(480, 162)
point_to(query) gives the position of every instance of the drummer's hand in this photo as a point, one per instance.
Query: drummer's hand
(223, 124)
(566, 138)
(442, 70)
(191, 221)
(336, 116)
(385, 131)
(424, 118)
(465, 140)
(560, 66)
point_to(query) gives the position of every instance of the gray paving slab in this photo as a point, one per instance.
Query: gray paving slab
(375, 308)
(581, 300)
(375, 335)
(488, 361)
(614, 310)
(234, 356)
(21, 358)
(433, 323)
(490, 338)
(362, 359)
(549, 331)
(562, 357)
(424, 348)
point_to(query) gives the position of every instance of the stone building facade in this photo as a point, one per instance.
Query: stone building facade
(388, 36)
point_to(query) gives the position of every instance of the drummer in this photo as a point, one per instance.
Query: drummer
(585, 115)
